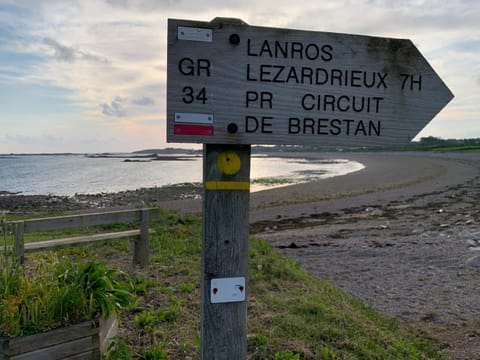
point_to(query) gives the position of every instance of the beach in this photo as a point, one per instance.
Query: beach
(402, 234)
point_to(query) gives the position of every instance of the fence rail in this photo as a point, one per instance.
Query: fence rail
(141, 235)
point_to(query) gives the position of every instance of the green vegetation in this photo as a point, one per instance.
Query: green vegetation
(429, 143)
(56, 292)
(118, 350)
(292, 314)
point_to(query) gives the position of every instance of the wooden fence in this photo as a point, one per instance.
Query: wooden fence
(140, 235)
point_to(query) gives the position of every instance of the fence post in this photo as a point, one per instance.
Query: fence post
(225, 252)
(19, 242)
(140, 251)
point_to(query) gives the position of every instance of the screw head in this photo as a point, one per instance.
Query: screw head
(234, 39)
(232, 128)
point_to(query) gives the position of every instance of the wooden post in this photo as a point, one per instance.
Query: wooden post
(225, 249)
(141, 245)
(19, 242)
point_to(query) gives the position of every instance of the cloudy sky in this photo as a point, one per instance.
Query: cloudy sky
(89, 75)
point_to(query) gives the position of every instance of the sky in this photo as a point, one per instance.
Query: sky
(90, 75)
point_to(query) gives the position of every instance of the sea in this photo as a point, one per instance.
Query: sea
(71, 174)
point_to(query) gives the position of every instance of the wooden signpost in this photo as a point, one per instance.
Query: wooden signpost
(230, 85)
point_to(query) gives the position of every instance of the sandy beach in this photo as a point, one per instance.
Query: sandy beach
(403, 234)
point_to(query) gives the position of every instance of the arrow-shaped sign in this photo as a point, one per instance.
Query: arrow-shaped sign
(231, 83)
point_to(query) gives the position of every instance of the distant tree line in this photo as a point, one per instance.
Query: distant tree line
(435, 141)
(425, 143)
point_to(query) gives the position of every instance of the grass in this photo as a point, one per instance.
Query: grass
(292, 315)
(55, 292)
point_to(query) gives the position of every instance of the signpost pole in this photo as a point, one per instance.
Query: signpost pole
(225, 252)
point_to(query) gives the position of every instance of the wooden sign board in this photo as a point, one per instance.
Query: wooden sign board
(231, 83)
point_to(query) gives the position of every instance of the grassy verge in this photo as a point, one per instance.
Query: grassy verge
(291, 314)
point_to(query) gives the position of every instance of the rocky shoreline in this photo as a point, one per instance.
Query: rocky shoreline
(18, 204)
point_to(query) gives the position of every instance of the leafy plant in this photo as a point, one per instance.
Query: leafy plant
(155, 352)
(327, 354)
(142, 284)
(286, 355)
(61, 293)
(105, 290)
(118, 350)
(145, 319)
(170, 311)
(167, 313)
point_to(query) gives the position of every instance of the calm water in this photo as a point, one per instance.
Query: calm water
(70, 174)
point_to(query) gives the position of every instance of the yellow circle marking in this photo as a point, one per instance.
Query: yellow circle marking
(229, 163)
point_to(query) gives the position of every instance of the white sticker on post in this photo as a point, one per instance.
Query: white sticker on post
(227, 290)
(194, 34)
(194, 118)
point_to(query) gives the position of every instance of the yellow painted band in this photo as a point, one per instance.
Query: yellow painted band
(229, 163)
(227, 185)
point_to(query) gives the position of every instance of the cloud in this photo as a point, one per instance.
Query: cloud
(150, 122)
(144, 101)
(115, 108)
(29, 140)
(148, 6)
(62, 53)
(108, 58)
(70, 54)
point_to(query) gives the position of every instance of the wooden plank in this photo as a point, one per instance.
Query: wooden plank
(51, 338)
(103, 330)
(79, 240)
(264, 85)
(95, 346)
(59, 351)
(4, 342)
(108, 330)
(83, 220)
(83, 356)
(225, 255)
(75, 221)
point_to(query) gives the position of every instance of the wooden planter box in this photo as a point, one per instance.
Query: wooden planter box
(82, 341)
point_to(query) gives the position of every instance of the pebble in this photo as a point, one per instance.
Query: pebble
(471, 243)
(418, 229)
(475, 262)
